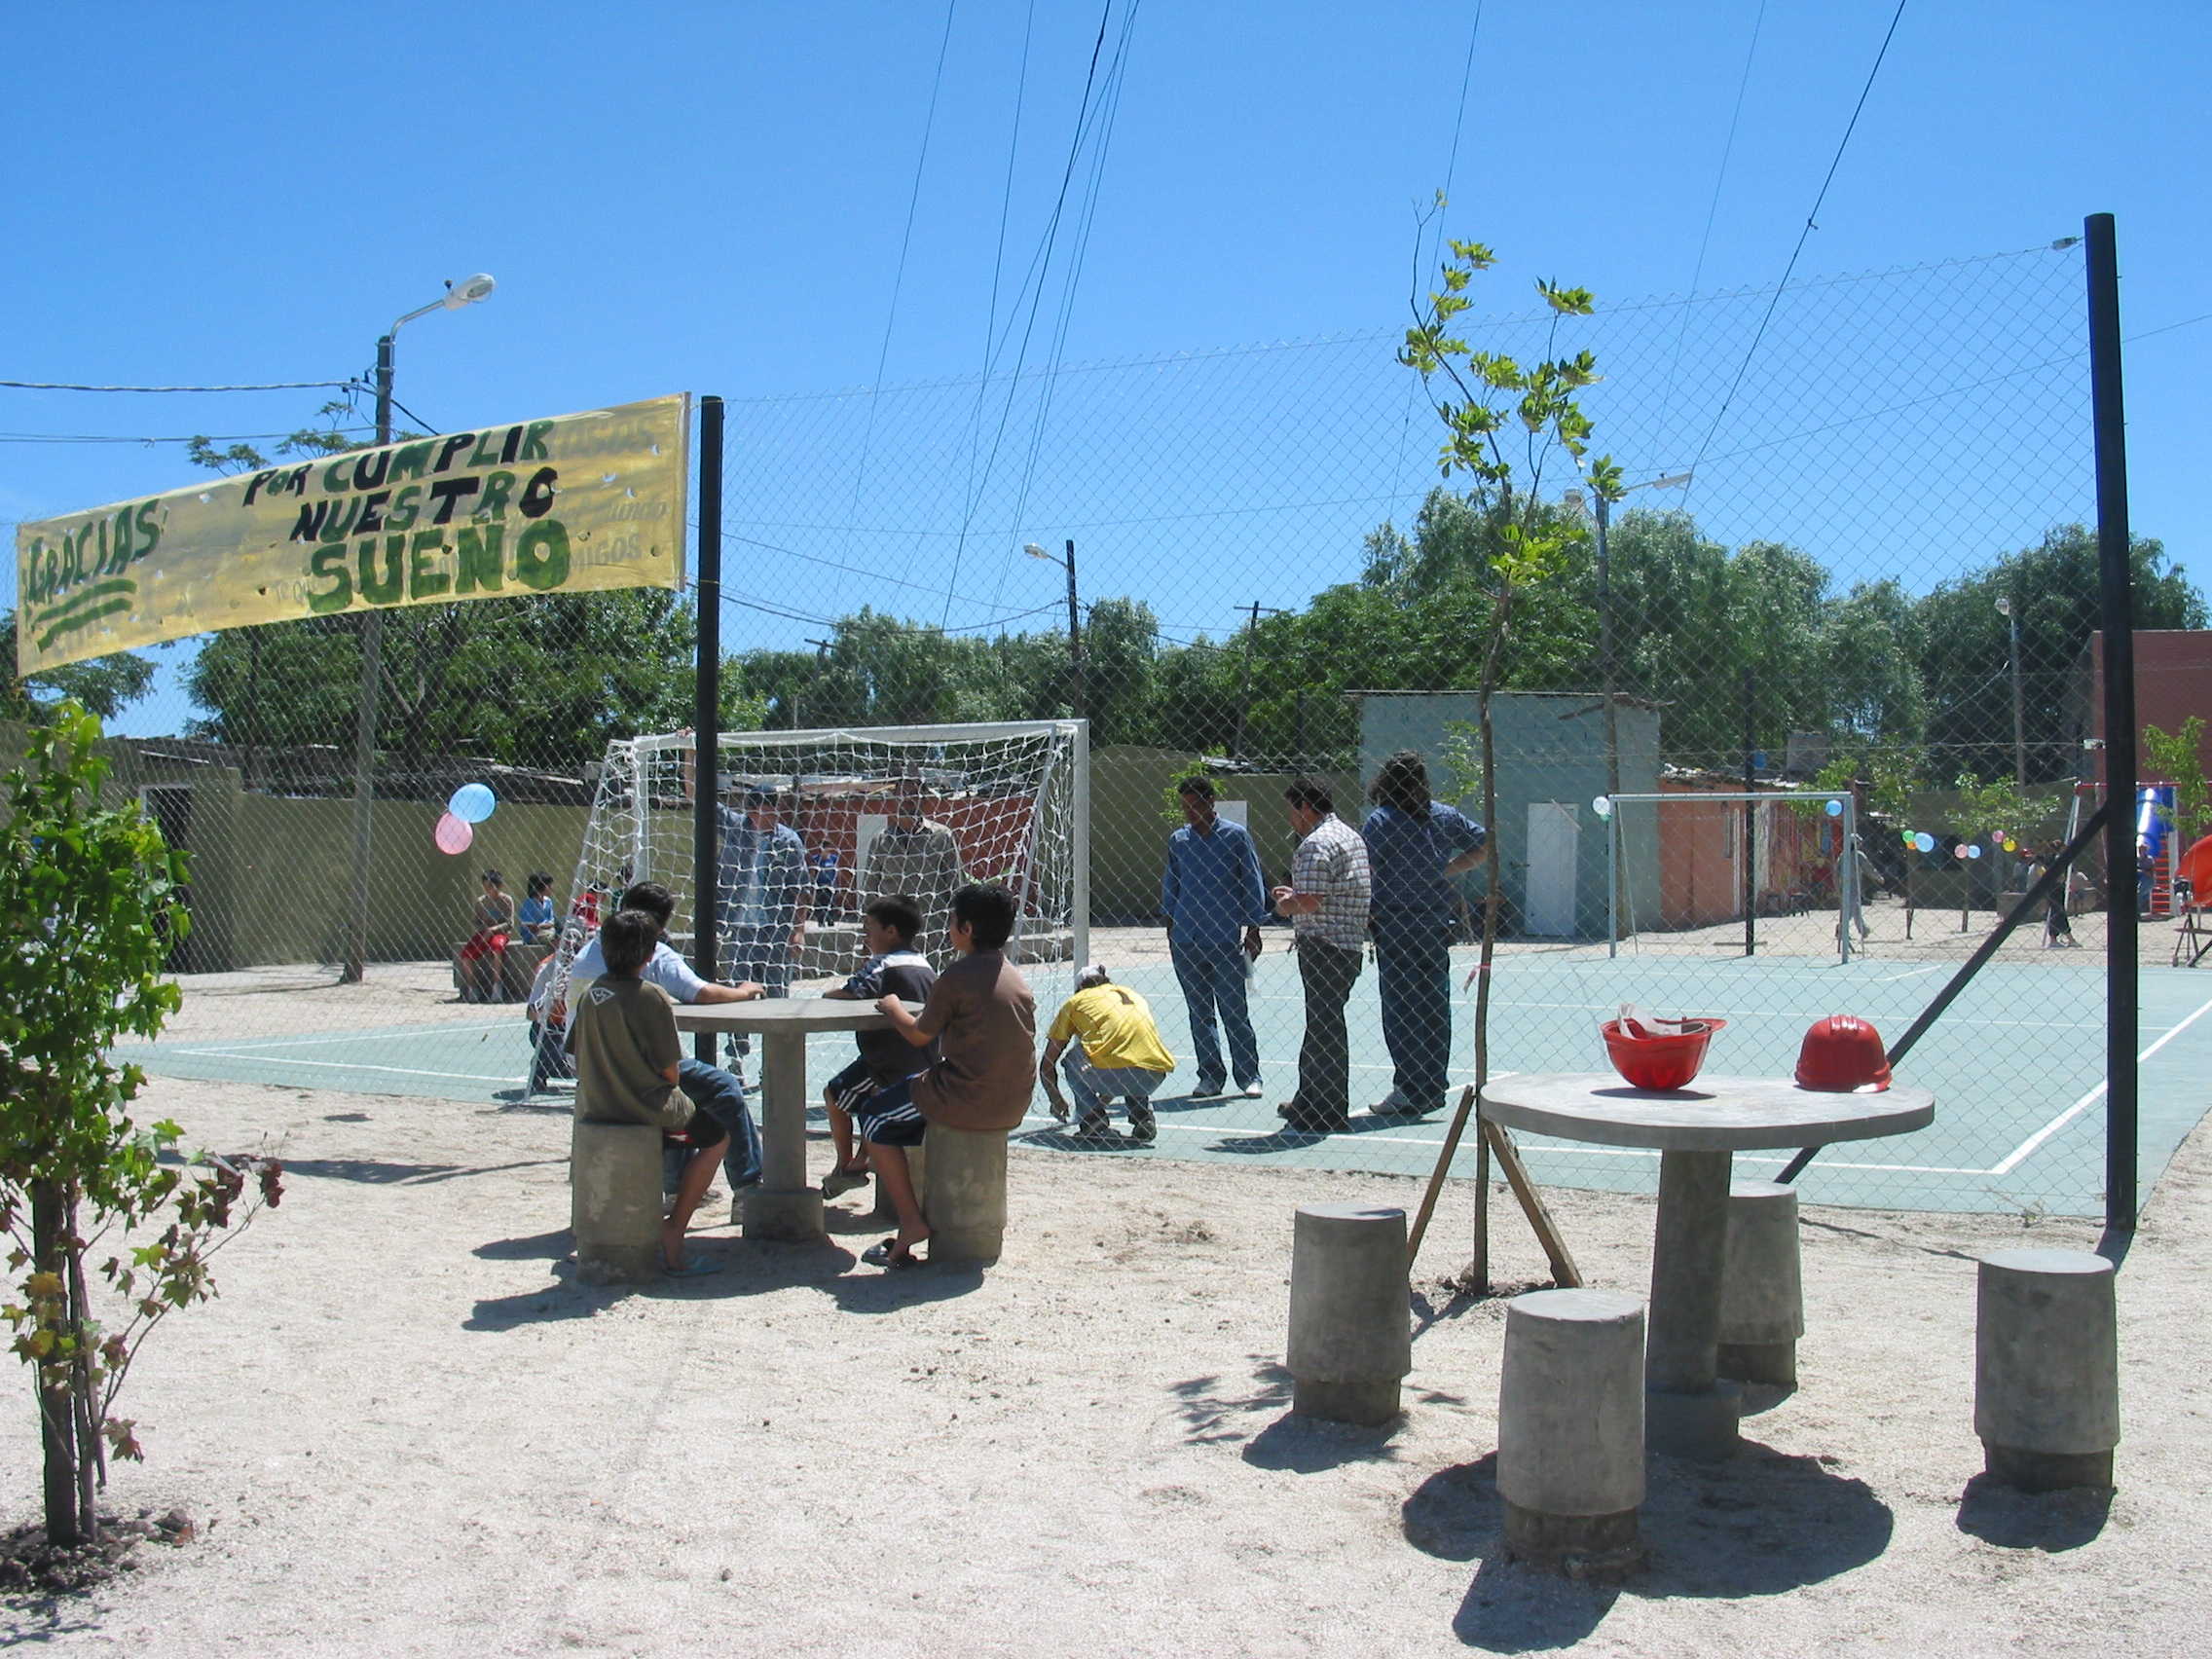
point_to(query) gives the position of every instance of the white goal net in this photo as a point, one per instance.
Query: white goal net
(912, 810)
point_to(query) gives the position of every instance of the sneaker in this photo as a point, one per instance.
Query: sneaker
(1209, 1087)
(1252, 1091)
(1095, 1128)
(1144, 1128)
(1397, 1105)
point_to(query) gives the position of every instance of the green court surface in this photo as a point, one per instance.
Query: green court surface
(2015, 1064)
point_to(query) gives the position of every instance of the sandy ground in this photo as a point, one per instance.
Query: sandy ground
(408, 1431)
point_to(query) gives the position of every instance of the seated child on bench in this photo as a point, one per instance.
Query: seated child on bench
(623, 1033)
(984, 1022)
(894, 969)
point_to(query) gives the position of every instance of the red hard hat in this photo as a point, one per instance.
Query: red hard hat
(1842, 1053)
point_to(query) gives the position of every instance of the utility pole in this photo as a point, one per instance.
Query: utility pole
(821, 662)
(1750, 821)
(707, 742)
(1245, 695)
(1075, 639)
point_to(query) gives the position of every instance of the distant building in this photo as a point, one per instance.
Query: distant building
(2173, 681)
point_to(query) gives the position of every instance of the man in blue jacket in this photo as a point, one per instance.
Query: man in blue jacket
(1214, 902)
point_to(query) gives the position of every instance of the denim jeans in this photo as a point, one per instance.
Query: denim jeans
(1212, 978)
(1327, 973)
(718, 1093)
(1413, 964)
(1093, 1085)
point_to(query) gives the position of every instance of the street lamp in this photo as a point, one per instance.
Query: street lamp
(1075, 626)
(455, 297)
(1602, 513)
(2019, 720)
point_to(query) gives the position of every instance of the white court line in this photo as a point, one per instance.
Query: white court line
(353, 1066)
(1910, 974)
(378, 1036)
(2027, 1146)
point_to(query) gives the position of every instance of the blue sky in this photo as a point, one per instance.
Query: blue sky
(713, 197)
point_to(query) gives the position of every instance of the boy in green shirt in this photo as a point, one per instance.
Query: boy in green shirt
(628, 1059)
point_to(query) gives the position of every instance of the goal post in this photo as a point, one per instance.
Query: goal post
(1011, 797)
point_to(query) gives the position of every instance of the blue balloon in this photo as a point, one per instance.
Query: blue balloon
(1923, 842)
(472, 803)
(1835, 809)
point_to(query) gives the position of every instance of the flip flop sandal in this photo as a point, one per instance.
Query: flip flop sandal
(695, 1266)
(881, 1256)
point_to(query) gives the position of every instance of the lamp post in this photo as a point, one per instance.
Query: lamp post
(1601, 512)
(1074, 625)
(2019, 720)
(455, 297)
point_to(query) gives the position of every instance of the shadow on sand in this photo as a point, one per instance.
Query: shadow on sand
(2051, 1521)
(1760, 1524)
(749, 1268)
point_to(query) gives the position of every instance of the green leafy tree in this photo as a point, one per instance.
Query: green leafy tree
(2179, 757)
(1965, 652)
(89, 897)
(1507, 425)
(104, 684)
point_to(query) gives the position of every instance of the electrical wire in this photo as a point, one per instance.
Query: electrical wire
(1038, 264)
(274, 386)
(1811, 225)
(1712, 209)
(905, 241)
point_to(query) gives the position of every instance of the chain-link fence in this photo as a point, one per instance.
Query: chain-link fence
(1850, 564)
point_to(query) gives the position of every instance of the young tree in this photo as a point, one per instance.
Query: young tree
(1505, 425)
(87, 902)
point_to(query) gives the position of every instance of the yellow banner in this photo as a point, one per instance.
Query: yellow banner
(574, 504)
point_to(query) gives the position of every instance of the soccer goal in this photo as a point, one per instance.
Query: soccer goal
(1693, 858)
(1006, 801)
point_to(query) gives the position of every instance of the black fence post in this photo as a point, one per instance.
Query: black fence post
(2114, 585)
(706, 750)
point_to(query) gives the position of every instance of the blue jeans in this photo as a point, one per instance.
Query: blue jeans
(1093, 1085)
(1412, 965)
(1212, 978)
(718, 1093)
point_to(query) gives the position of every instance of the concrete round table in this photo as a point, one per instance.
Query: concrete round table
(783, 1205)
(1690, 1410)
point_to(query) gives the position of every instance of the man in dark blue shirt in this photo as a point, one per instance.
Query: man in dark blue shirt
(1415, 847)
(1214, 902)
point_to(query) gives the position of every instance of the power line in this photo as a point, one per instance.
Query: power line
(1811, 225)
(274, 386)
(1039, 263)
(1713, 208)
(905, 241)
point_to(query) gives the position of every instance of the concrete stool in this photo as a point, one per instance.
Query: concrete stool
(1763, 1294)
(965, 1200)
(2046, 1369)
(1571, 1427)
(614, 1202)
(1350, 1317)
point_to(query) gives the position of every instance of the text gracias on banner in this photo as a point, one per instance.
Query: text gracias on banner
(465, 515)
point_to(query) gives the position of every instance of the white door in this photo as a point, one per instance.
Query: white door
(1237, 812)
(1555, 837)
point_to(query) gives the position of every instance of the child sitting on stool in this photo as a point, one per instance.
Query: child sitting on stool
(894, 969)
(628, 1055)
(1117, 1051)
(984, 1022)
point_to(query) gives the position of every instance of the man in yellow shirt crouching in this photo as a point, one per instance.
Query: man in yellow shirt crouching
(1117, 1053)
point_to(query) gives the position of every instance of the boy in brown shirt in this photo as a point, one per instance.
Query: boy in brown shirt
(628, 1059)
(984, 1022)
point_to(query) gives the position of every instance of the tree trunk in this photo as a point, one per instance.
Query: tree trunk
(91, 1466)
(58, 1417)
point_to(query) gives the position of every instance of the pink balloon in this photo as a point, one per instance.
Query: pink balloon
(453, 835)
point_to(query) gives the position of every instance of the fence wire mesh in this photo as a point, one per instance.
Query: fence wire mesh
(1851, 561)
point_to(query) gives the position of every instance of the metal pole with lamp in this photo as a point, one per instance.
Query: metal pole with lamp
(1075, 624)
(2019, 718)
(1602, 515)
(456, 296)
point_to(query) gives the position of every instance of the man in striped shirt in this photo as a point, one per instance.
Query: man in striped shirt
(1327, 902)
